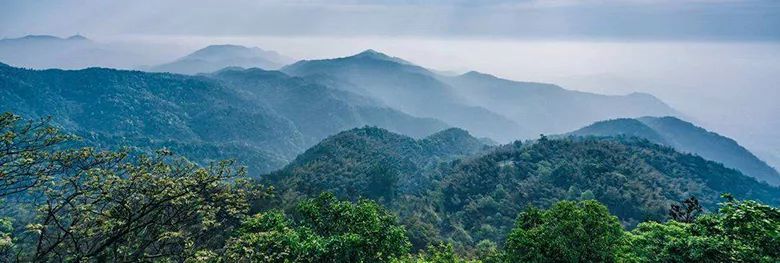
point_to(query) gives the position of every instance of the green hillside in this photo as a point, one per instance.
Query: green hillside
(263, 118)
(686, 137)
(467, 198)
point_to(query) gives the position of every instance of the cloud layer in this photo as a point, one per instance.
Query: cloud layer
(551, 19)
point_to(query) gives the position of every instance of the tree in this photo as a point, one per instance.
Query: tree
(25, 147)
(673, 242)
(754, 228)
(569, 231)
(323, 229)
(107, 206)
(110, 206)
(687, 211)
(741, 231)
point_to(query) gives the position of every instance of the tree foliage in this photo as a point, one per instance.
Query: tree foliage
(112, 206)
(741, 231)
(25, 148)
(569, 231)
(64, 203)
(323, 229)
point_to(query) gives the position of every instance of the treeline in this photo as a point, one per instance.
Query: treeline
(66, 204)
(470, 197)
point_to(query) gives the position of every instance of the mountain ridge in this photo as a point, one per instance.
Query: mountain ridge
(686, 137)
(523, 109)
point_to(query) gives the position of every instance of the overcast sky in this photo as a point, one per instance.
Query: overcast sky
(548, 19)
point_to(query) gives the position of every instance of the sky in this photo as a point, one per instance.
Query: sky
(717, 61)
(525, 19)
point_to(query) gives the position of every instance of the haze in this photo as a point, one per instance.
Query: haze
(715, 61)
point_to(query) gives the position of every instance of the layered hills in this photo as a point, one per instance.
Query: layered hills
(448, 186)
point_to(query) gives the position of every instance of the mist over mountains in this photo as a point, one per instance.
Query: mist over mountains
(216, 57)
(309, 100)
(485, 105)
(418, 131)
(454, 156)
(73, 52)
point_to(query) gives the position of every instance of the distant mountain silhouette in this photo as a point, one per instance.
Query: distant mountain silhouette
(487, 106)
(406, 87)
(548, 108)
(216, 57)
(74, 52)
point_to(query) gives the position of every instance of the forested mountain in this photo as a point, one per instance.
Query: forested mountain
(372, 162)
(65, 203)
(501, 109)
(263, 118)
(686, 137)
(216, 57)
(550, 109)
(406, 87)
(468, 195)
(320, 111)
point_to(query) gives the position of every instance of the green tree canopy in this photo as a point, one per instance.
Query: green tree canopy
(25, 147)
(323, 229)
(89, 205)
(741, 231)
(569, 231)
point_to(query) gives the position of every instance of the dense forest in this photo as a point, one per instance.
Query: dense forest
(62, 201)
(261, 118)
(473, 195)
(686, 137)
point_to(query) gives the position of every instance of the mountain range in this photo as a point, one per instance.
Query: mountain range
(686, 137)
(485, 105)
(74, 52)
(287, 111)
(444, 153)
(225, 115)
(550, 109)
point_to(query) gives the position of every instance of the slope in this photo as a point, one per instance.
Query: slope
(550, 109)
(319, 111)
(264, 118)
(129, 105)
(373, 163)
(408, 88)
(457, 190)
(687, 137)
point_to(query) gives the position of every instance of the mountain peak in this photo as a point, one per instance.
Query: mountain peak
(373, 54)
(477, 74)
